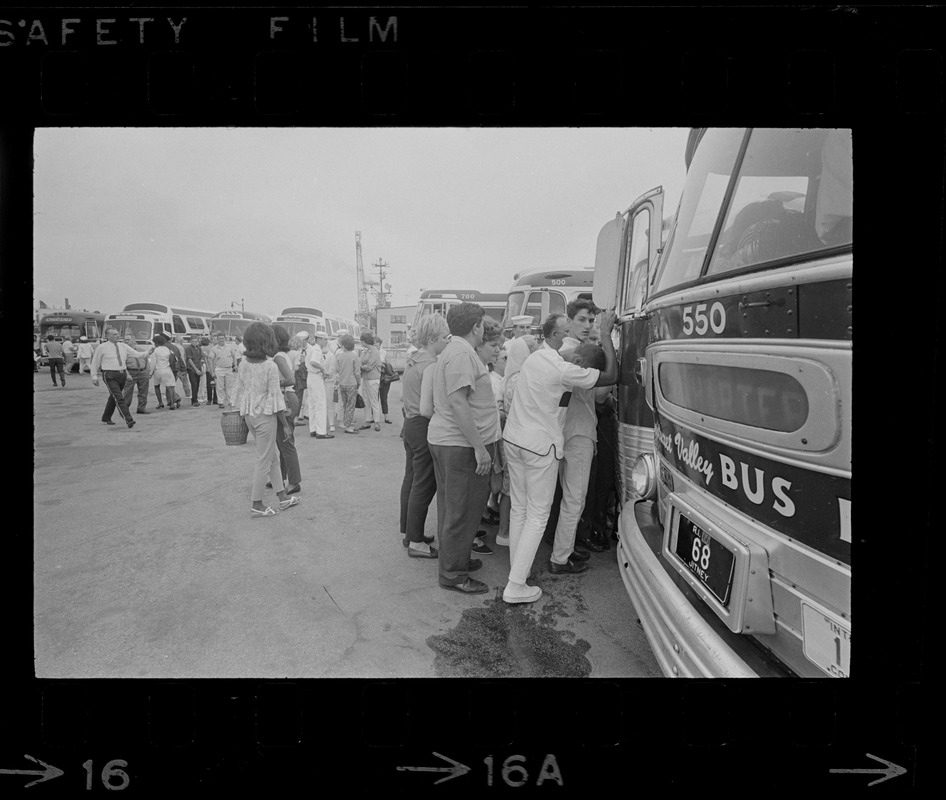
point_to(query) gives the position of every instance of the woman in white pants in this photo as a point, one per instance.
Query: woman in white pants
(315, 388)
(371, 380)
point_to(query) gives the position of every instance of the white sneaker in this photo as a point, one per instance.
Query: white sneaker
(502, 541)
(521, 593)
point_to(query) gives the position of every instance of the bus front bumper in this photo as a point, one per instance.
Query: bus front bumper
(684, 643)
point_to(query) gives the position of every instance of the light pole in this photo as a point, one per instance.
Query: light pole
(234, 302)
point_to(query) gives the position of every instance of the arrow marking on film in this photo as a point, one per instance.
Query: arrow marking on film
(891, 770)
(47, 773)
(456, 770)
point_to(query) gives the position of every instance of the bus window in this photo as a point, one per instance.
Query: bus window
(534, 307)
(703, 193)
(513, 306)
(556, 303)
(195, 323)
(636, 266)
(179, 325)
(772, 213)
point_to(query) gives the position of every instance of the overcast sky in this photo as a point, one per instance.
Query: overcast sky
(202, 217)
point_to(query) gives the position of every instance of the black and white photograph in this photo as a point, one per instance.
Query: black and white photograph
(419, 392)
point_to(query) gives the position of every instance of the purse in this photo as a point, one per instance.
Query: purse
(359, 401)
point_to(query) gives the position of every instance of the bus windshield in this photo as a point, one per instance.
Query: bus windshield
(513, 307)
(292, 328)
(139, 328)
(231, 327)
(792, 195)
(72, 331)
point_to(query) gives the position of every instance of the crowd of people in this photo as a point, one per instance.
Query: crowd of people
(515, 432)
(487, 431)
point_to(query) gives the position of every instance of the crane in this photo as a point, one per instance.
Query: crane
(363, 314)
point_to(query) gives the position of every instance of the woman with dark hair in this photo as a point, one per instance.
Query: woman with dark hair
(371, 387)
(259, 399)
(163, 373)
(348, 370)
(288, 457)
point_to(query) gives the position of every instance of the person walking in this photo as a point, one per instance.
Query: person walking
(54, 357)
(224, 361)
(68, 355)
(315, 387)
(371, 387)
(163, 372)
(209, 380)
(139, 368)
(259, 399)
(420, 484)
(534, 440)
(109, 362)
(84, 352)
(388, 376)
(348, 368)
(462, 437)
(288, 457)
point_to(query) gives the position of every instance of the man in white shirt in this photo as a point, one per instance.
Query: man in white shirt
(521, 325)
(328, 376)
(534, 442)
(109, 361)
(223, 359)
(84, 353)
(337, 408)
(315, 387)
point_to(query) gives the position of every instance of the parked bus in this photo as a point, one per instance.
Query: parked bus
(735, 544)
(304, 318)
(234, 323)
(72, 323)
(145, 320)
(438, 301)
(546, 292)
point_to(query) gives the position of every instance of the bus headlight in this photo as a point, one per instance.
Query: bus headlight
(644, 477)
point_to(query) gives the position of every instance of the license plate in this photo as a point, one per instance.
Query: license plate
(827, 641)
(707, 558)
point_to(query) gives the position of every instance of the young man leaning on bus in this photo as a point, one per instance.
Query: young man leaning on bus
(534, 442)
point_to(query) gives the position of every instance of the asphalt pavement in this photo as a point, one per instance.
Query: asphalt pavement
(147, 563)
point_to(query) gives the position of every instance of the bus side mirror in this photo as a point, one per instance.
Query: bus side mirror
(608, 262)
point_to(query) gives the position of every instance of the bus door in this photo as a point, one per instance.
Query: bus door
(625, 262)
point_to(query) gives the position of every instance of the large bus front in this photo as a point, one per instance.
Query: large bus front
(738, 557)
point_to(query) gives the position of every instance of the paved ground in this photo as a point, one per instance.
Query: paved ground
(147, 564)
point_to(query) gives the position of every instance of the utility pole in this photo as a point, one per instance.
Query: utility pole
(383, 289)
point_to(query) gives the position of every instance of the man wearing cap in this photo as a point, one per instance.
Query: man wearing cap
(521, 325)
(85, 354)
(315, 386)
(140, 369)
(224, 361)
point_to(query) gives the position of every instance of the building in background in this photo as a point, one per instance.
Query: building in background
(393, 323)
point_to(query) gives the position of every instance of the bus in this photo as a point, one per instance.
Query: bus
(233, 323)
(72, 323)
(439, 301)
(305, 318)
(544, 292)
(145, 320)
(735, 540)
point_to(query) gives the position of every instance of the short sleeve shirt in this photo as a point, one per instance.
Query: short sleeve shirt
(536, 419)
(580, 417)
(457, 367)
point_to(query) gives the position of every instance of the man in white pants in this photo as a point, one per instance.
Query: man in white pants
(85, 354)
(534, 442)
(224, 363)
(336, 409)
(315, 387)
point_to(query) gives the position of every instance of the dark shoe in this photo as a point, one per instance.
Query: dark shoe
(389, 422)
(194, 404)
(490, 517)
(473, 565)
(63, 384)
(160, 405)
(591, 544)
(421, 554)
(177, 403)
(569, 567)
(323, 435)
(581, 556)
(131, 423)
(469, 586)
(427, 540)
(482, 549)
(269, 484)
(142, 411)
(294, 491)
(108, 422)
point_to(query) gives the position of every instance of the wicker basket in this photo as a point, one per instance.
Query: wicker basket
(234, 427)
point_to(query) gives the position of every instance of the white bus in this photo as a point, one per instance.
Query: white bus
(547, 291)
(234, 323)
(145, 320)
(296, 319)
(439, 301)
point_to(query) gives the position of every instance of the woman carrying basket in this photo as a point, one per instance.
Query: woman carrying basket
(259, 399)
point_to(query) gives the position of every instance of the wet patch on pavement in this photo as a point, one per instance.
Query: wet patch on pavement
(500, 640)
